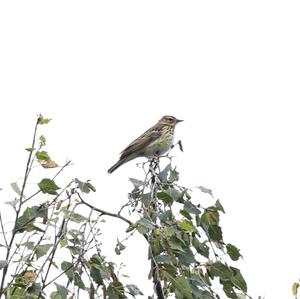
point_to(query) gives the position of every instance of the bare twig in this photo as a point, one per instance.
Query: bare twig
(102, 212)
(3, 232)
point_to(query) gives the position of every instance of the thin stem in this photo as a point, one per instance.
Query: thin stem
(37, 192)
(51, 255)
(3, 232)
(102, 212)
(154, 165)
(27, 171)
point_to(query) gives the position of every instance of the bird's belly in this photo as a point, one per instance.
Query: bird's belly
(158, 147)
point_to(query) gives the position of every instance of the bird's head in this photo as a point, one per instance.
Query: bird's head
(169, 120)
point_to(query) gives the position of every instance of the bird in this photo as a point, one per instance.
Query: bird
(154, 142)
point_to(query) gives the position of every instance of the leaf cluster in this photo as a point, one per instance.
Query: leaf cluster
(55, 240)
(186, 243)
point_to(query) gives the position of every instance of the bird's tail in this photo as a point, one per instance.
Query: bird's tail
(117, 165)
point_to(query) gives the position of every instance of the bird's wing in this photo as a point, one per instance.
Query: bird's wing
(142, 141)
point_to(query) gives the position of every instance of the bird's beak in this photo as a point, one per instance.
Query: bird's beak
(179, 121)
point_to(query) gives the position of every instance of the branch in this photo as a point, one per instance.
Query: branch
(157, 283)
(27, 171)
(37, 192)
(102, 212)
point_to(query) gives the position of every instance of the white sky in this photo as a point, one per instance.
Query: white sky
(105, 71)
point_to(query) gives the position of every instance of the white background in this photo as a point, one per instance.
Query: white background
(106, 71)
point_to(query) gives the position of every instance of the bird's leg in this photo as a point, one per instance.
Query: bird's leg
(152, 168)
(156, 158)
(154, 164)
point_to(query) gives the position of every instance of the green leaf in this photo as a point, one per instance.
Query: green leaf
(55, 295)
(168, 231)
(219, 206)
(238, 280)
(187, 226)
(63, 243)
(30, 149)
(119, 247)
(15, 292)
(215, 233)
(96, 259)
(68, 268)
(42, 140)
(146, 199)
(99, 270)
(197, 284)
(182, 286)
(187, 257)
(228, 289)
(12, 203)
(165, 197)
(206, 278)
(175, 194)
(220, 270)
(78, 218)
(186, 214)
(29, 245)
(156, 246)
(233, 252)
(42, 250)
(16, 188)
(85, 187)
(42, 156)
(95, 272)
(166, 216)
(206, 295)
(210, 216)
(90, 186)
(143, 225)
(201, 248)
(75, 250)
(163, 175)
(205, 190)
(163, 258)
(115, 290)
(43, 121)
(133, 290)
(176, 244)
(30, 228)
(48, 186)
(136, 183)
(78, 281)
(174, 175)
(191, 208)
(62, 291)
(25, 222)
(198, 220)
(111, 293)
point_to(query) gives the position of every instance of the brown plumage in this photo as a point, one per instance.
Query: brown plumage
(155, 141)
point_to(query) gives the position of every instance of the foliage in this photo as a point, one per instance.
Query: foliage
(188, 256)
(55, 227)
(186, 244)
